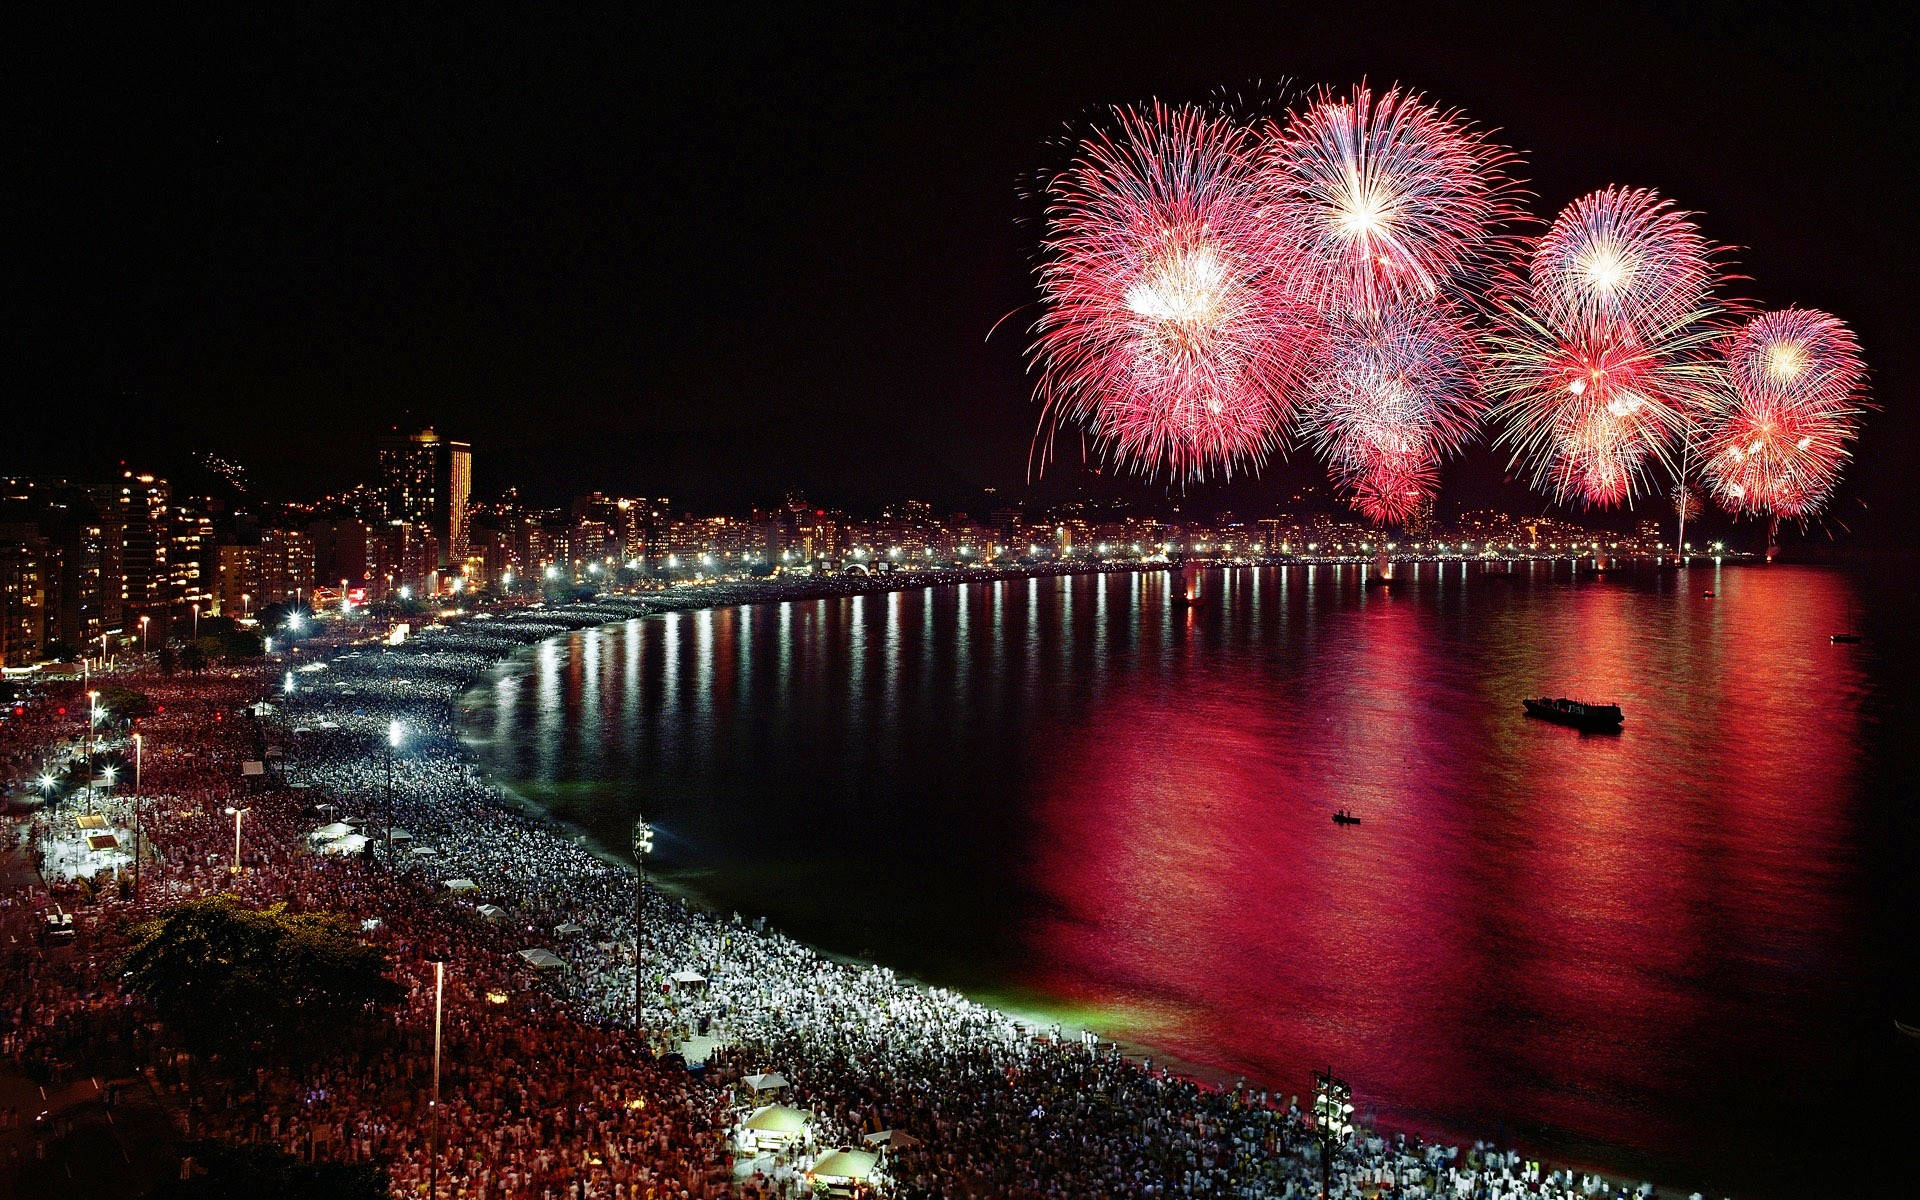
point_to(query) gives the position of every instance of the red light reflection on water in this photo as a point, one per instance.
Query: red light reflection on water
(1529, 919)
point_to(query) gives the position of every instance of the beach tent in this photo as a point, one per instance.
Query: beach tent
(462, 885)
(421, 851)
(253, 766)
(91, 821)
(352, 843)
(543, 960)
(328, 833)
(772, 1081)
(892, 1139)
(849, 1166)
(492, 912)
(401, 835)
(570, 929)
(688, 978)
(776, 1125)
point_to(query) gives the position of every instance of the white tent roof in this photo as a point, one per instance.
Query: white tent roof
(492, 912)
(779, 1119)
(326, 833)
(401, 835)
(569, 929)
(845, 1164)
(893, 1139)
(419, 851)
(772, 1081)
(543, 960)
(685, 976)
(461, 885)
(352, 843)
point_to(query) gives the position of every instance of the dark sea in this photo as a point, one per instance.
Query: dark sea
(1675, 952)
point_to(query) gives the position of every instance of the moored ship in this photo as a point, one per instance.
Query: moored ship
(1577, 713)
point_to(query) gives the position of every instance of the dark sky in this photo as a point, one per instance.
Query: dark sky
(706, 253)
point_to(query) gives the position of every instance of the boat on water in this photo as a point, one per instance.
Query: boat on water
(1577, 713)
(1846, 639)
(1343, 817)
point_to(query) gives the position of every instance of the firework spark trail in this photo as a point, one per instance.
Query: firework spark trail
(1169, 327)
(1394, 393)
(1383, 199)
(1601, 358)
(1777, 446)
(1620, 256)
(1353, 271)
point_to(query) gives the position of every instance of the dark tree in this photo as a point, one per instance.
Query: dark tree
(226, 976)
(193, 658)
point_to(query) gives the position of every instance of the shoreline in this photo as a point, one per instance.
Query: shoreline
(1035, 1021)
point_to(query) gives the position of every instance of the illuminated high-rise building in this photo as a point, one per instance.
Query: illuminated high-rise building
(426, 480)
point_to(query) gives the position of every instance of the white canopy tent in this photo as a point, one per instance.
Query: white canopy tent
(352, 843)
(331, 831)
(775, 1125)
(542, 959)
(462, 885)
(844, 1166)
(771, 1081)
(688, 978)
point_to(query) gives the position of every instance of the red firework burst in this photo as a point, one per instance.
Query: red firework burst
(1778, 445)
(1168, 329)
(1621, 256)
(1394, 393)
(1588, 409)
(1383, 199)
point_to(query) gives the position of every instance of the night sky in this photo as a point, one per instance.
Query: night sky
(704, 255)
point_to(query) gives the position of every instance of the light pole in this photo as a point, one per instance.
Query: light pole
(143, 633)
(642, 846)
(136, 816)
(396, 733)
(196, 620)
(93, 719)
(1332, 1120)
(433, 1160)
(236, 814)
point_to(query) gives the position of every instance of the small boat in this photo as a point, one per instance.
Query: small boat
(1846, 639)
(1343, 817)
(1186, 600)
(1577, 713)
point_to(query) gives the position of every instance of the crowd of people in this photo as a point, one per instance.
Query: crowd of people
(622, 1070)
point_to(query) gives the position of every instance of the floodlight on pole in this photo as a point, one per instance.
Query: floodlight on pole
(236, 814)
(642, 846)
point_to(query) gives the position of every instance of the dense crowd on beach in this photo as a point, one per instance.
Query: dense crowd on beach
(552, 1087)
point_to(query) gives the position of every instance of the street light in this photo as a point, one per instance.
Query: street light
(143, 634)
(136, 815)
(642, 846)
(196, 621)
(396, 733)
(433, 1160)
(236, 814)
(93, 719)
